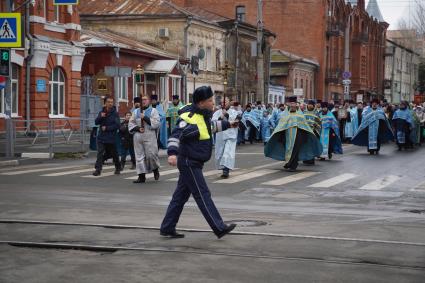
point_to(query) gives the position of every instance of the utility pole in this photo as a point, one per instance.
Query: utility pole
(260, 59)
(8, 102)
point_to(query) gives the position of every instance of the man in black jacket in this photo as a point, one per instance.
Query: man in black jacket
(108, 121)
(127, 143)
(189, 147)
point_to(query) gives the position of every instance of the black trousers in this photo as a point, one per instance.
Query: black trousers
(252, 132)
(109, 149)
(300, 139)
(191, 182)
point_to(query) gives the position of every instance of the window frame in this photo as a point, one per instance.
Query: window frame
(240, 15)
(58, 84)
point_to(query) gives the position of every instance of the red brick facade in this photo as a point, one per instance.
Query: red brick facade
(316, 30)
(53, 40)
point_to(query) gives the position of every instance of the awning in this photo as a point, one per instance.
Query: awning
(160, 66)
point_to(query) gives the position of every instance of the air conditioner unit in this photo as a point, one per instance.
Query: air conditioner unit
(163, 33)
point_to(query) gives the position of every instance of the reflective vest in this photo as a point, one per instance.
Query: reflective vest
(198, 120)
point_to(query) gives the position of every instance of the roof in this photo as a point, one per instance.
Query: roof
(129, 7)
(205, 14)
(107, 38)
(281, 56)
(160, 66)
(374, 11)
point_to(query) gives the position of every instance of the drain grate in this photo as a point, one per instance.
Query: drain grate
(418, 211)
(247, 223)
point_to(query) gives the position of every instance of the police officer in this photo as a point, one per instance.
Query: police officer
(189, 147)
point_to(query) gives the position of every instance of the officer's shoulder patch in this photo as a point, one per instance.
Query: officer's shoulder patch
(182, 124)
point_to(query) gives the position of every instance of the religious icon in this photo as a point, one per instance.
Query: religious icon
(102, 84)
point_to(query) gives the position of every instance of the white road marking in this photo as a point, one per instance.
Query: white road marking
(65, 173)
(266, 165)
(380, 183)
(110, 173)
(334, 181)
(247, 176)
(290, 179)
(20, 172)
(161, 173)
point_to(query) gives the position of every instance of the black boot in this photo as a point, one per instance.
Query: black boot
(122, 164)
(225, 174)
(141, 179)
(156, 174)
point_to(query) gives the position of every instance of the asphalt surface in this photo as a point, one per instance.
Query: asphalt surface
(355, 218)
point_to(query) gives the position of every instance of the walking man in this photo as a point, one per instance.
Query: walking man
(189, 147)
(127, 143)
(109, 122)
(143, 124)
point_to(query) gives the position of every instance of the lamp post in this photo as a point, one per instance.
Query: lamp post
(225, 71)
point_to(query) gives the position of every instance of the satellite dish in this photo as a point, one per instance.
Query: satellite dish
(201, 53)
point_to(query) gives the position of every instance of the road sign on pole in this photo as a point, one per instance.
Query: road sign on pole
(65, 2)
(10, 30)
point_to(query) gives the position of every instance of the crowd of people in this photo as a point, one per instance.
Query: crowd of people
(290, 132)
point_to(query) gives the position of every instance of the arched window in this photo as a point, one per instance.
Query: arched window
(14, 88)
(57, 92)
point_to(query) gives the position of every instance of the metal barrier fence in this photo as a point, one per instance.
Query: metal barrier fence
(45, 135)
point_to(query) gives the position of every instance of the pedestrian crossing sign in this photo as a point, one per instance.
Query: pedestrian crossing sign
(10, 30)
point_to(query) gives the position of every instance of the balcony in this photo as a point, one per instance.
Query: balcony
(361, 37)
(335, 29)
(333, 76)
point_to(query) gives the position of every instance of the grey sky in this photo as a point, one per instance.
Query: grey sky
(394, 10)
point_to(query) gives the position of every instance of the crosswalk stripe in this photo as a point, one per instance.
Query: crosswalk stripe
(290, 179)
(210, 173)
(266, 165)
(20, 172)
(110, 173)
(380, 183)
(419, 188)
(334, 181)
(163, 173)
(247, 176)
(65, 173)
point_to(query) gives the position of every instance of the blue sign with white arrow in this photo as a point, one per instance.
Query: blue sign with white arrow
(65, 2)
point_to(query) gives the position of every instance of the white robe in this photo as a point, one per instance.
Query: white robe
(146, 144)
(225, 143)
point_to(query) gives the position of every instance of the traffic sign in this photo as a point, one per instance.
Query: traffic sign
(346, 82)
(5, 62)
(65, 2)
(346, 75)
(10, 30)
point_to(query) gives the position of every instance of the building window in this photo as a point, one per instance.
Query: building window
(14, 87)
(122, 88)
(163, 88)
(176, 86)
(240, 13)
(217, 59)
(57, 92)
(56, 13)
(209, 59)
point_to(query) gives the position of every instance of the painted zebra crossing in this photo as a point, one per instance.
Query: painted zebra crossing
(265, 175)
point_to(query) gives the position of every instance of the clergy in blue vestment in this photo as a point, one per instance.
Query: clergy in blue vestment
(293, 139)
(374, 130)
(349, 125)
(329, 137)
(162, 132)
(403, 125)
(313, 120)
(258, 111)
(266, 126)
(251, 122)
(278, 114)
(225, 142)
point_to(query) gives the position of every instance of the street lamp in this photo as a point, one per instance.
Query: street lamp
(225, 70)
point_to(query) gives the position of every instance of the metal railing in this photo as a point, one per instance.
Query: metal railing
(47, 135)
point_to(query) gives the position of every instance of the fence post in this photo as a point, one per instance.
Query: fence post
(51, 137)
(10, 150)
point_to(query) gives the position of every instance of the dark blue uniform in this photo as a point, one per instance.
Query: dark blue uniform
(192, 142)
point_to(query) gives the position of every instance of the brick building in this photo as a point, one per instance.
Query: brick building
(52, 55)
(318, 30)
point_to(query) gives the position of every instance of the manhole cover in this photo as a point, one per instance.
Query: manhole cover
(247, 223)
(418, 211)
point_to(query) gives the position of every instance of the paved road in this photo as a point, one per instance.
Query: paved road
(356, 218)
